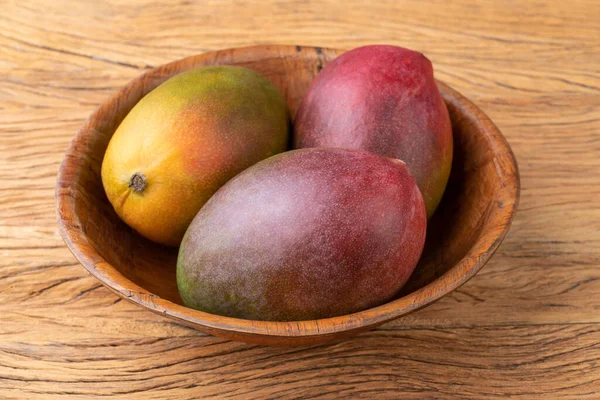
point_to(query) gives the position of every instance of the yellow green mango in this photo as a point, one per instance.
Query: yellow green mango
(187, 138)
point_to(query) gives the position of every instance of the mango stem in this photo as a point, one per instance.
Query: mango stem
(138, 182)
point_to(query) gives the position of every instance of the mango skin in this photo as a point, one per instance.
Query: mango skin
(303, 235)
(383, 99)
(188, 137)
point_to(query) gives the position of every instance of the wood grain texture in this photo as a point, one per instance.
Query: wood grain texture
(525, 326)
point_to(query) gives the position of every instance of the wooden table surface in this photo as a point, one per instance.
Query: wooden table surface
(528, 325)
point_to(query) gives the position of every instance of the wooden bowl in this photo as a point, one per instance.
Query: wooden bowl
(470, 223)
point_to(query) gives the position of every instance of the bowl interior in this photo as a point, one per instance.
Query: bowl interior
(475, 196)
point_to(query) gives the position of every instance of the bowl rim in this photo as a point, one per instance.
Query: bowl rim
(500, 215)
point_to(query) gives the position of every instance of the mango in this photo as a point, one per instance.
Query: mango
(184, 140)
(305, 234)
(383, 99)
